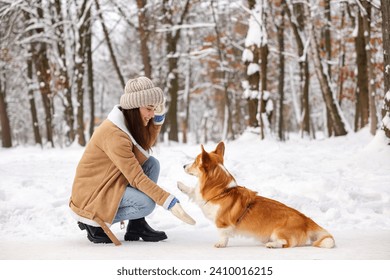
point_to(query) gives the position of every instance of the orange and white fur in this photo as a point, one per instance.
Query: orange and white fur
(236, 210)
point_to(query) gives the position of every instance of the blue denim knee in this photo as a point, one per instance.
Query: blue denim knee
(136, 204)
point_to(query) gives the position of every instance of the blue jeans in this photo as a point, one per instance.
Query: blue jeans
(135, 204)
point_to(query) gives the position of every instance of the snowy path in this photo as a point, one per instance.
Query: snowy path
(198, 245)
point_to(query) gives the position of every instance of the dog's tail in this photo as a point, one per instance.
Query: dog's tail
(322, 238)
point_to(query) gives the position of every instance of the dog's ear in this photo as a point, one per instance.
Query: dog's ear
(205, 157)
(220, 150)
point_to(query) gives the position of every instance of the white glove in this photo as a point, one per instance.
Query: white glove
(159, 114)
(160, 109)
(178, 211)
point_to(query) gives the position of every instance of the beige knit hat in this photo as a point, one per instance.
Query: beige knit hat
(141, 92)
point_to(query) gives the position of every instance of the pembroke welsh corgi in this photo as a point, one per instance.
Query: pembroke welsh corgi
(236, 210)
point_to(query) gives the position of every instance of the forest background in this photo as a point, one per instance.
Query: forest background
(319, 68)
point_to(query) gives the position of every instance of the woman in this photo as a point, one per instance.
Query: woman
(116, 177)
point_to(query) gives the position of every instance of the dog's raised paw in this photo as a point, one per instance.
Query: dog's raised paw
(182, 187)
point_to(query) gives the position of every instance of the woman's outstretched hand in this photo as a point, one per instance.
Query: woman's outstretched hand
(178, 211)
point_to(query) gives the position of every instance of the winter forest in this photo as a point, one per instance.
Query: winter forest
(316, 68)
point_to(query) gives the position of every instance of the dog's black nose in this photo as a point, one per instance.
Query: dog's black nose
(184, 166)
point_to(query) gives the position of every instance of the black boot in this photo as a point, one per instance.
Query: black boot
(139, 228)
(95, 234)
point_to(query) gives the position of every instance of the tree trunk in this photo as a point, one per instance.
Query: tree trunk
(305, 105)
(253, 78)
(64, 81)
(298, 26)
(43, 72)
(256, 61)
(357, 112)
(172, 39)
(329, 97)
(304, 69)
(341, 71)
(173, 88)
(280, 30)
(44, 77)
(187, 90)
(264, 99)
(144, 34)
(328, 50)
(33, 109)
(109, 45)
(4, 120)
(370, 68)
(79, 67)
(253, 106)
(91, 89)
(228, 123)
(264, 96)
(328, 39)
(362, 75)
(385, 7)
(30, 74)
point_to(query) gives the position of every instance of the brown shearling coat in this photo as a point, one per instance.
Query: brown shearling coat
(110, 162)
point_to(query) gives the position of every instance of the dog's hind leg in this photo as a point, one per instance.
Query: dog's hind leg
(277, 241)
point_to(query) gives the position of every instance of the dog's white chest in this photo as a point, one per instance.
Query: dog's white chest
(210, 210)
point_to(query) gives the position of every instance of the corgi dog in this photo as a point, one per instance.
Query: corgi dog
(236, 210)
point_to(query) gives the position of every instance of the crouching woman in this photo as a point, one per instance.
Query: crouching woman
(116, 178)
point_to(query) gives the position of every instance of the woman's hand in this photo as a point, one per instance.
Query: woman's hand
(159, 114)
(178, 211)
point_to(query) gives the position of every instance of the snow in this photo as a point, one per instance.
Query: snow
(247, 55)
(252, 69)
(269, 107)
(342, 183)
(386, 118)
(386, 121)
(256, 30)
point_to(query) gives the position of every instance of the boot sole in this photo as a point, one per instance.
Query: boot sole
(135, 237)
(97, 240)
(93, 239)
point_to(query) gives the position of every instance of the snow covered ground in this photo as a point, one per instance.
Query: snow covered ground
(342, 183)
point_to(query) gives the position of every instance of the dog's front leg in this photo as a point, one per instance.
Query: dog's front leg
(186, 189)
(224, 234)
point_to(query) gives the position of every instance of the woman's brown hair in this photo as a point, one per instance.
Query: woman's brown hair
(143, 135)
